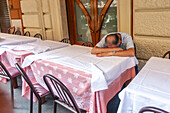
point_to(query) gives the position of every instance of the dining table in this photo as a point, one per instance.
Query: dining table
(16, 53)
(11, 39)
(92, 80)
(11, 53)
(149, 88)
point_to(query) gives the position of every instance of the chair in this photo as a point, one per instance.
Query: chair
(37, 89)
(65, 40)
(89, 44)
(11, 74)
(60, 94)
(27, 33)
(152, 109)
(18, 32)
(11, 30)
(136, 67)
(135, 48)
(38, 36)
(167, 53)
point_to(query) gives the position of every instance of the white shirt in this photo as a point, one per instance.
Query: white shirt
(127, 41)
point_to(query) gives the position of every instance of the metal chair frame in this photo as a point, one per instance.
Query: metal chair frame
(11, 30)
(27, 32)
(63, 97)
(89, 44)
(66, 40)
(33, 90)
(4, 73)
(136, 67)
(38, 35)
(17, 32)
(167, 53)
(152, 109)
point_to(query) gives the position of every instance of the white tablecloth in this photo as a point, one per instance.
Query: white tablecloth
(104, 70)
(38, 46)
(149, 88)
(9, 39)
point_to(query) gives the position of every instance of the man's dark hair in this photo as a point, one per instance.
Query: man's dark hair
(116, 41)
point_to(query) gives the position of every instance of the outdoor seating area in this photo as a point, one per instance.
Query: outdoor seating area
(84, 56)
(22, 54)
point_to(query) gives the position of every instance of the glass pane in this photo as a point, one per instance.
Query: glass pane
(110, 20)
(83, 35)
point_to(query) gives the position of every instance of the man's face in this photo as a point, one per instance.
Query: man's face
(109, 43)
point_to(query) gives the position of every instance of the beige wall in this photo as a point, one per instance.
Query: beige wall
(151, 27)
(124, 16)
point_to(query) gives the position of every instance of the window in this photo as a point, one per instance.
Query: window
(78, 27)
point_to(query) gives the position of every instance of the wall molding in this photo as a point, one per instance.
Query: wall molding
(152, 36)
(152, 9)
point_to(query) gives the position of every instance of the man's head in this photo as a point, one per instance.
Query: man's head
(113, 40)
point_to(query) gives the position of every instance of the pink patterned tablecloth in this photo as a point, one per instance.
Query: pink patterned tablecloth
(10, 57)
(79, 83)
(17, 56)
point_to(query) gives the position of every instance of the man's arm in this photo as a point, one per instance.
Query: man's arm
(97, 50)
(125, 53)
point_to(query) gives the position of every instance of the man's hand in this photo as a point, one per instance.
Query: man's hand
(104, 54)
(124, 53)
(97, 50)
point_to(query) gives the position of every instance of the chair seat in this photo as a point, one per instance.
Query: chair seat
(40, 90)
(13, 71)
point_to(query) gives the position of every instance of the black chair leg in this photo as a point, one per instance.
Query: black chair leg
(55, 107)
(31, 102)
(136, 69)
(12, 92)
(39, 106)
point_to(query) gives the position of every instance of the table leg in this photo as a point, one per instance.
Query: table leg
(15, 84)
(43, 100)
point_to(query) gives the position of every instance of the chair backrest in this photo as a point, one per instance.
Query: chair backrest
(152, 109)
(60, 92)
(4, 73)
(89, 44)
(11, 30)
(167, 53)
(18, 32)
(66, 40)
(26, 78)
(38, 35)
(27, 33)
(135, 48)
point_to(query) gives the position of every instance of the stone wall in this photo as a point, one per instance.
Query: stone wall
(151, 27)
